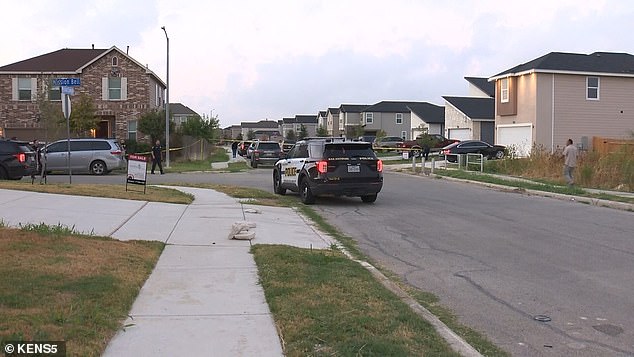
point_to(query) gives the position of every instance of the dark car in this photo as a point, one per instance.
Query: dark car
(329, 166)
(434, 142)
(473, 147)
(388, 142)
(265, 153)
(17, 159)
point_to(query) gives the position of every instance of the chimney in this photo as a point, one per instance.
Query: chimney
(127, 50)
(93, 46)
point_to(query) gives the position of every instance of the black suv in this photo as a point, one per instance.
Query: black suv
(265, 153)
(17, 159)
(329, 166)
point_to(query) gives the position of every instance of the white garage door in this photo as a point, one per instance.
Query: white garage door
(520, 136)
(460, 134)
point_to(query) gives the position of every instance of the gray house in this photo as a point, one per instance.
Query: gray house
(395, 118)
(350, 118)
(426, 116)
(469, 118)
(180, 113)
(263, 129)
(310, 122)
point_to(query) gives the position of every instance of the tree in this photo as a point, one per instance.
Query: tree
(355, 131)
(152, 123)
(50, 115)
(290, 135)
(322, 131)
(82, 117)
(201, 127)
(303, 132)
(250, 134)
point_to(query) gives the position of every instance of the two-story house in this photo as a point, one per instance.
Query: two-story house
(263, 129)
(472, 117)
(564, 95)
(395, 118)
(426, 116)
(295, 124)
(179, 113)
(349, 118)
(332, 117)
(122, 90)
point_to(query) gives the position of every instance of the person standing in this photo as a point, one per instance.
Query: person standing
(570, 161)
(234, 148)
(156, 156)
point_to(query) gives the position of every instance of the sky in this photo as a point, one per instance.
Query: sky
(249, 60)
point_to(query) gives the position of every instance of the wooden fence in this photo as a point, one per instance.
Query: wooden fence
(607, 145)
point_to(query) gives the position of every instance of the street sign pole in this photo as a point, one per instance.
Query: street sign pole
(67, 90)
(67, 115)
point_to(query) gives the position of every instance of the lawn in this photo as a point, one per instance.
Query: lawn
(64, 287)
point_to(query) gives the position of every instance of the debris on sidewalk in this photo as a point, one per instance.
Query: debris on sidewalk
(242, 230)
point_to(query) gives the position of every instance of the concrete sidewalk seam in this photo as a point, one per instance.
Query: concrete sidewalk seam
(169, 236)
(128, 219)
(152, 316)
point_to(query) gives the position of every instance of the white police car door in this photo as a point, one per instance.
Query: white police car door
(291, 167)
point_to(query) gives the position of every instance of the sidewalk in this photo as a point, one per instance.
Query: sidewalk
(203, 297)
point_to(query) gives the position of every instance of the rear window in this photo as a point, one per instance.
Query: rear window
(268, 146)
(347, 151)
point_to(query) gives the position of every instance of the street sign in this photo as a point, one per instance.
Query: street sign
(66, 106)
(66, 82)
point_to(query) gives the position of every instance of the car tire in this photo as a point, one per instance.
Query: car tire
(305, 194)
(499, 154)
(277, 183)
(98, 167)
(368, 198)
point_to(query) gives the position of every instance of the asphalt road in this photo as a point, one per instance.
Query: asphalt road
(497, 259)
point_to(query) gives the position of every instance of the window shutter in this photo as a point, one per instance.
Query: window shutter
(124, 88)
(104, 88)
(14, 85)
(33, 89)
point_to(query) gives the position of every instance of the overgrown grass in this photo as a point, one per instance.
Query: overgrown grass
(325, 304)
(60, 286)
(613, 171)
(135, 192)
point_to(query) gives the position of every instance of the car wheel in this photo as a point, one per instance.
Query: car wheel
(277, 183)
(305, 194)
(98, 167)
(499, 154)
(368, 198)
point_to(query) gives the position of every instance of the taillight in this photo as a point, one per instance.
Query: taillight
(21, 157)
(446, 152)
(379, 166)
(322, 167)
(256, 152)
(116, 152)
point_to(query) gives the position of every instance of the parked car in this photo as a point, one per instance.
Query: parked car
(95, 156)
(473, 147)
(242, 148)
(287, 145)
(435, 142)
(265, 153)
(387, 142)
(367, 138)
(329, 166)
(17, 159)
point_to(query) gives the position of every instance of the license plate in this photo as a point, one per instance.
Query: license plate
(354, 168)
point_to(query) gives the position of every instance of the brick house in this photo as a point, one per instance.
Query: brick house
(122, 90)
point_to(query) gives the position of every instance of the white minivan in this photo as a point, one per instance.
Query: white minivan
(95, 156)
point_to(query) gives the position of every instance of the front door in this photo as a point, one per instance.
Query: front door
(103, 128)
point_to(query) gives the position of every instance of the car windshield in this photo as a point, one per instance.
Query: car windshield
(269, 146)
(349, 151)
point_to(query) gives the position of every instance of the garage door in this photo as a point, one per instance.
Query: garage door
(519, 136)
(460, 134)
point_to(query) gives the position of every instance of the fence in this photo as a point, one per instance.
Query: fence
(466, 161)
(606, 145)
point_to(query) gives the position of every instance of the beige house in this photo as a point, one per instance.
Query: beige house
(121, 88)
(564, 95)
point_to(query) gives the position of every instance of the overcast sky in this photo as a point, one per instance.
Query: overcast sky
(248, 60)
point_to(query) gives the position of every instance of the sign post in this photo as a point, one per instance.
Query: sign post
(137, 171)
(67, 85)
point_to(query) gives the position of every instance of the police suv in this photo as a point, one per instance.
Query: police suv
(329, 166)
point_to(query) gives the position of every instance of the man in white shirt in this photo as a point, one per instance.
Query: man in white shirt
(570, 156)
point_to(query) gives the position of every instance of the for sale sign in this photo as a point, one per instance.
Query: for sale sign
(137, 171)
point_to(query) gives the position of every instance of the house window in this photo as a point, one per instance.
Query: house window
(592, 88)
(114, 88)
(504, 90)
(54, 93)
(24, 88)
(115, 61)
(403, 135)
(132, 130)
(369, 118)
(399, 118)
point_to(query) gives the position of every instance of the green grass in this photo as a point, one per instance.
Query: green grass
(57, 285)
(326, 304)
(537, 185)
(218, 154)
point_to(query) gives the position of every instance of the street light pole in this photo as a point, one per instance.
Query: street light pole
(167, 104)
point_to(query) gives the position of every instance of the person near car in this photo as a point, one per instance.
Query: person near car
(234, 148)
(156, 156)
(570, 161)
